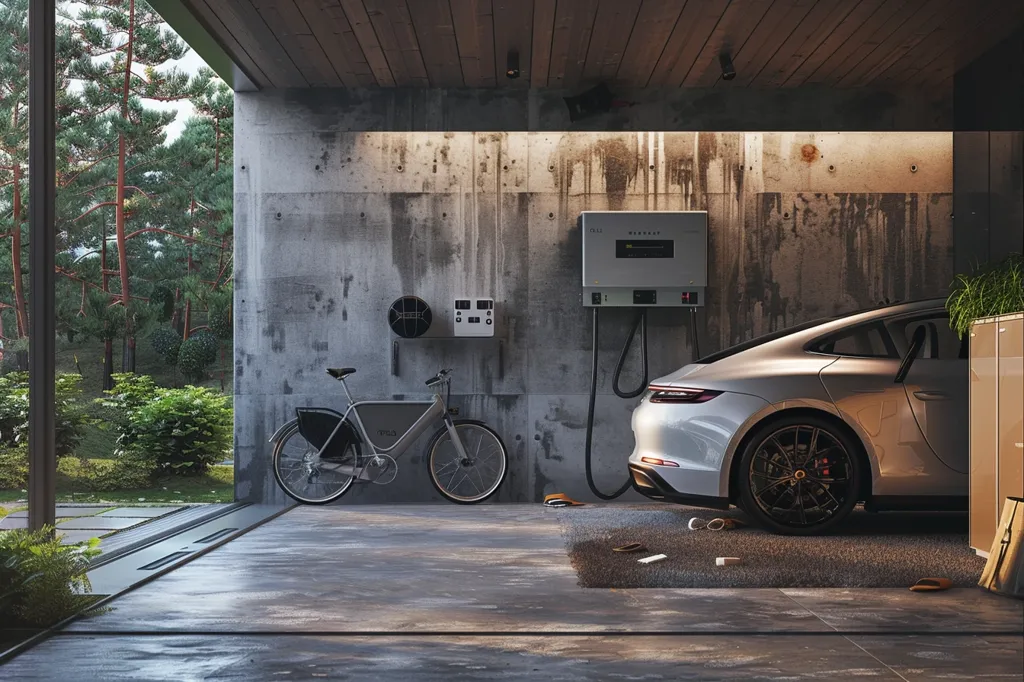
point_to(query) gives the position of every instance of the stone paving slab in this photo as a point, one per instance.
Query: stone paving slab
(140, 512)
(67, 512)
(98, 523)
(73, 537)
(11, 522)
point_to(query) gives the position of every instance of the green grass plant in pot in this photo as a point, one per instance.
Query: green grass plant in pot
(992, 289)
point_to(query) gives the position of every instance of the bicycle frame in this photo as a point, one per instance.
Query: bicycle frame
(435, 409)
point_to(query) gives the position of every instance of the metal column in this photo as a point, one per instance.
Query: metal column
(42, 462)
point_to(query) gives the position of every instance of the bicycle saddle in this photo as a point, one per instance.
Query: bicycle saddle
(340, 372)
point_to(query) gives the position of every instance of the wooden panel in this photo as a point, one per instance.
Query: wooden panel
(816, 27)
(984, 421)
(334, 35)
(393, 25)
(543, 29)
(613, 26)
(252, 31)
(876, 27)
(937, 43)
(513, 29)
(780, 20)
(850, 24)
(740, 19)
(1003, 21)
(435, 32)
(692, 30)
(474, 33)
(918, 22)
(1010, 471)
(654, 24)
(214, 25)
(371, 46)
(574, 23)
(295, 35)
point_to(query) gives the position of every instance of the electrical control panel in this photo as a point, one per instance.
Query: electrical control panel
(644, 258)
(474, 317)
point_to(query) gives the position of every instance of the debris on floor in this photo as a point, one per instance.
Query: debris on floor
(932, 585)
(727, 561)
(652, 559)
(561, 500)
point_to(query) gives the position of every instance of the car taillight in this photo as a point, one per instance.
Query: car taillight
(673, 394)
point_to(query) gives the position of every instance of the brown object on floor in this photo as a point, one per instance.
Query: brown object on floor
(932, 585)
(631, 547)
(560, 500)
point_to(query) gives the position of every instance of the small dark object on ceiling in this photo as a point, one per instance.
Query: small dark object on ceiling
(728, 70)
(512, 64)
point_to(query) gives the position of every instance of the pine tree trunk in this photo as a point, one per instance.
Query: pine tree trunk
(128, 360)
(20, 308)
(108, 364)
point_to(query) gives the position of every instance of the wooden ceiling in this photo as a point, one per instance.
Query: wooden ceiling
(632, 43)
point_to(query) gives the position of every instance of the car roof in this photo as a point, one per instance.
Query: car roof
(801, 333)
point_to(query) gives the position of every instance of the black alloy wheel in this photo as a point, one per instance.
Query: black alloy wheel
(799, 476)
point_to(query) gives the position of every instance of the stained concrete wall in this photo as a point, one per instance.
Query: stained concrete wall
(332, 226)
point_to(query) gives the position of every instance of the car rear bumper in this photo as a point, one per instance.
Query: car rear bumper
(648, 482)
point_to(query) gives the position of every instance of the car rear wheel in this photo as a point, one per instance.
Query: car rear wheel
(799, 476)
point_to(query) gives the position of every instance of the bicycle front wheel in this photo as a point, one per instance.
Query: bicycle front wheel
(475, 477)
(305, 477)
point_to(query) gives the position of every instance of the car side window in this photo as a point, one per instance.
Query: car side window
(868, 341)
(942, 343)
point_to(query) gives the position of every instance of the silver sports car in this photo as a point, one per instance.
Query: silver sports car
(798, 426)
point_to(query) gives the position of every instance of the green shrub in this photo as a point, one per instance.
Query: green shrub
(220, 322)
(127, 472)
(198, 352)
(183, 430)
(14, 467)
(72, 415)
(993, 289)
(166, 342)
(42, 581)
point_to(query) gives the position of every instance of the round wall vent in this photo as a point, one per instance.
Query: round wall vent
(409, 317)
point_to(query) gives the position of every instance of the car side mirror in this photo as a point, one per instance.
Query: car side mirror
(916, 344)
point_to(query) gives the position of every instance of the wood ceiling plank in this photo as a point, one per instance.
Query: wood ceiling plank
(295, 35)
(968, 13)
(865, 38)
(908, 28)
(691, 32)
(738, 22)
(654, 24)
(328, 24)
(251, 29)
(778, 23)
(435, 32)
(391, 17)
(1003, 20)
(474, 34)
(369, 43)
(215, 26)
(613, 26)
(513, 30)
(543, 30)
(578, 28)
(835, 40)
(812, 31)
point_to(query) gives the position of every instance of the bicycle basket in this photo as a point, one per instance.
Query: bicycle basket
(317, 425)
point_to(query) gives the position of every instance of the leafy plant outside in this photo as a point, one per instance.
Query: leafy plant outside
(42, 581)
(184, 431)
(72, 415)
(993, 289)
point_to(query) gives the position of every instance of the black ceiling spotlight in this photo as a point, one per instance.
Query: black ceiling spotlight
(728, 70)
(512, 64)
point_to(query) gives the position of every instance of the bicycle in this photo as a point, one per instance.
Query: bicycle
(318, 455)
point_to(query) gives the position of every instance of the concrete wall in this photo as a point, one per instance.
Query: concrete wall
(988, 155)
(331, 226)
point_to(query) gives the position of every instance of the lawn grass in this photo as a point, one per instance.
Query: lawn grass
(217, 485)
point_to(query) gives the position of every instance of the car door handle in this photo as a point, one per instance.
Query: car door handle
(867, 390)
(931, 395)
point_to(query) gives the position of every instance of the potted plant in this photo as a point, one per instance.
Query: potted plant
(988, 306)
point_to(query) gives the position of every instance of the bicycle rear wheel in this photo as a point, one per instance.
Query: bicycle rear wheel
(477, 476)
(305, 477)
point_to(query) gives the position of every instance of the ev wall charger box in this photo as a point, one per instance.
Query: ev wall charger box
(644, 258)
(474, 317)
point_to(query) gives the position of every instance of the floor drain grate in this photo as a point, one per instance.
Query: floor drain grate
(170, 558)
(216, 536)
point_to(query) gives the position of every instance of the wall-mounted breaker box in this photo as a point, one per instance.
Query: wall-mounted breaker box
(644, 258)
(474, 317)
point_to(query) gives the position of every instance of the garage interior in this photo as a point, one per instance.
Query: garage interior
(864, 151)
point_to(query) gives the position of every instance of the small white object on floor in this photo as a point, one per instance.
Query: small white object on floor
(652, 559)
(727, 561)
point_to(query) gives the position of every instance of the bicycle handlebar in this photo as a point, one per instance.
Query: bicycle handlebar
(441, 376)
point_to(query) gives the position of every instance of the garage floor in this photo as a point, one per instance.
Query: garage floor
(447, 592)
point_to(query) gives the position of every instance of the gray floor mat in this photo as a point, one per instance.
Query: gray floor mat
(870, 550)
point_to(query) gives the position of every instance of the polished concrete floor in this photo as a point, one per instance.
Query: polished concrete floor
(447, 592)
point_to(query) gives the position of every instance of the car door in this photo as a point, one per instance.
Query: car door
(937, 386)
(861, 383)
